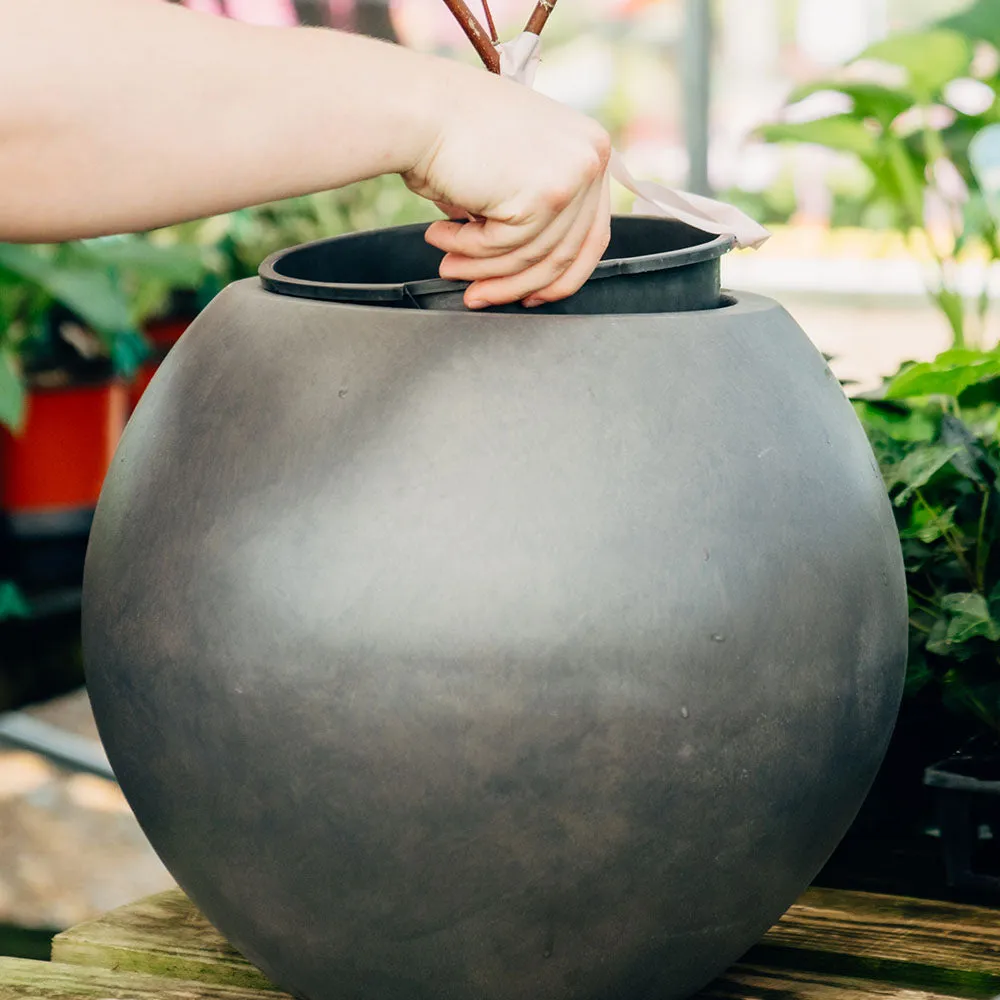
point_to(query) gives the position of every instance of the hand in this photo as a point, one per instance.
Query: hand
(532, 176)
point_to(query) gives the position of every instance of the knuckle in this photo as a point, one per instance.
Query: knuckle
(562, 259)
(558, 197)
(497, 244)
(602, 146)
(533, 256)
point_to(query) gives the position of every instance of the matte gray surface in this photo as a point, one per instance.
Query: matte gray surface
(499, 657)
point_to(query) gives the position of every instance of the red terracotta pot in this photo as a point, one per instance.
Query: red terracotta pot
(58, 462)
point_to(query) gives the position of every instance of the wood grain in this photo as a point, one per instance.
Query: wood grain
(22, 979)
(162, 935)
(890, 938)
(889, 942)
(744, 982)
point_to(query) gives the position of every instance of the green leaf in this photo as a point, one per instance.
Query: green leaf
(929, 525)
(843, 133)
(128, 350)
(181, 265)
(978, 22)
(972, 696)
(908, 175)
(871, 100)
(969, 617)
(930, 58)
(12, 393)
(918, 468)
(947, 375)
(86, 290)
(12, 602)
(918, 675)
(950, 303)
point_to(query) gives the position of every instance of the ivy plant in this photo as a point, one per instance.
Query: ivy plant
(935, 429)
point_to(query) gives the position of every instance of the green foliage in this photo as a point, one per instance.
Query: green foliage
(839, 132)
(911, 139)
(979, 22)
(935, 430)
(234, 245)
(12, 602)
(98, 282)
(111, 286)
(949, 374)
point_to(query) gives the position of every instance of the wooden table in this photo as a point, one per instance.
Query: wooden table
(830, 944)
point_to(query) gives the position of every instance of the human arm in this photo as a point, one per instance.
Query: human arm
(125, 115)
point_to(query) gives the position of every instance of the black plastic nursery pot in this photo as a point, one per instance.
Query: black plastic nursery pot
(511, 654)
(966, 787)
(651, 265)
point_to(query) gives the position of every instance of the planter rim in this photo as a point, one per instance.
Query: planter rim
(733, 301)
(409, 292)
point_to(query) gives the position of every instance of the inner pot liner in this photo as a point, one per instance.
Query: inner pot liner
(650, 265)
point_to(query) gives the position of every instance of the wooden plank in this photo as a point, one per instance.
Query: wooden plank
(23, 979)
(915, 941)
(744, 982)
(907, 941)
(162, 935)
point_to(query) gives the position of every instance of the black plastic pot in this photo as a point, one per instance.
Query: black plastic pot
(506, 655)
(651, 265)
(966, 787)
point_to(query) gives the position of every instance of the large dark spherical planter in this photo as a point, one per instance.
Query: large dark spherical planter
(499, 656)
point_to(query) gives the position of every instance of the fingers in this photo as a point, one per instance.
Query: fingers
(500, 234)
(452, 211)
(564, 257)
(459, 268)
(483, 238)
(576, 275)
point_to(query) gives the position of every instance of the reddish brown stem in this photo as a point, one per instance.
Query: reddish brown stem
(489, 22)
(539, 16)
(476, 34)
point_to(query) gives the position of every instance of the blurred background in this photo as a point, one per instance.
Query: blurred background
(864, 133)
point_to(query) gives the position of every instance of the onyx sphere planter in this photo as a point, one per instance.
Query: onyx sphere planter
(517, 656)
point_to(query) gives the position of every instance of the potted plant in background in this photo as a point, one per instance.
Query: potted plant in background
(69, 341)
(912, 109)
(911, 105)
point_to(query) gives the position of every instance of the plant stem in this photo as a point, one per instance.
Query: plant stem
(952, 541)
(476, 34)
(489, 22)
(539, 16)
(981, 552)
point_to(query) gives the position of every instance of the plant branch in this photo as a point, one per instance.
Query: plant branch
(951, 540)
(489, 22)
(476, 34)
(981, 551)
(539, 16)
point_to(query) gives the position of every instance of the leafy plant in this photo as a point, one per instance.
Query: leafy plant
(12, 602)
(906, 125)
(108, 286)
(936, 433)
(232, 246)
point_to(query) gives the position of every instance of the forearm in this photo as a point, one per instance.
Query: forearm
(125, 115)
